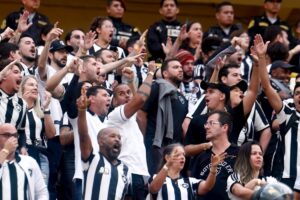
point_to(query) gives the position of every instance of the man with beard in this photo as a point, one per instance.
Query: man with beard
(105, 177)
(28, 52)
(163, 113)
(189, 87)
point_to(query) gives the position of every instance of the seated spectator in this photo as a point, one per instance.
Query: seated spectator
(245, 179)
(169, 184)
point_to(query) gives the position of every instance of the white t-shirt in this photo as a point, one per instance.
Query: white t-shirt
(133, 152)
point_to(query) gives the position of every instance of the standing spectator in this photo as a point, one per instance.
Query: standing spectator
(105, 177)
(123, 118)
(115, 10)
(37, 19)
(161, 30)
(217, 128)
(225, 18)
(162, 115)
(104, 29)
(287, 116)
(259, 24)
(75, 39)
(169, 184)
(12, 107)
(20, 176)
(39, 124)
(246, 177)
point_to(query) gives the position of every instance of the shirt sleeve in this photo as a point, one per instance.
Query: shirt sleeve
(260, 120)
(231, 181)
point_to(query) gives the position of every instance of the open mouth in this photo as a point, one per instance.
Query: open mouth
(18, 82)
(116, 147)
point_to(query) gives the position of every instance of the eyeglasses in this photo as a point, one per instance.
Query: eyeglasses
(211, 123)
(7, 135)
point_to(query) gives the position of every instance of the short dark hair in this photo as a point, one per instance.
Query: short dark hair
(85, 58)
(27, 35)
(272, 32)
(98, 53)
(224, 118)
(93, 91)
(165, 65)
(109, 2)
(277, 51)
(162, 3)
(6, 48)
(5, 62)
(220, 5)
(224, 70)
(69, 34)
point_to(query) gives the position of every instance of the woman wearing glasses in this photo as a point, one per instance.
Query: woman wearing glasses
(246, 178)
(169, 184)
(39, 124)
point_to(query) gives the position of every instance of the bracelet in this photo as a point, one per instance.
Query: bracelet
(151, 73)
(5, 151)
(47, 111)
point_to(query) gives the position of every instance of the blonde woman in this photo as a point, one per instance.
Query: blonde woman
(39, 124)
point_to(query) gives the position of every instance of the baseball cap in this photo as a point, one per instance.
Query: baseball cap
(242, 85)
(280, 64)
(58, 45)
(219, 86)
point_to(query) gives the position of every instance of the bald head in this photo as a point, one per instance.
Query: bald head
(7, 128)
(105, 132)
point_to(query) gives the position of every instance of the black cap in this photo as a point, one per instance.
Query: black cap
(58, 45)
(219, 86)
(242, 85)
(280, 64)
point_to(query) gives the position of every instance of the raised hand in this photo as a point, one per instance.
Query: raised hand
(152, 66)
(89, 40)
(183, 34)
(54, 33)
(75, 65)
(168, 46)
(47, 100)
(132, 59)
(128, 73)
(22, 24)
(7, 33)
(260, 46)
(7, 68)
(217, 159)
(82, 102)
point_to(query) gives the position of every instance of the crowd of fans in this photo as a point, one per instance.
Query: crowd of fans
(170, 113)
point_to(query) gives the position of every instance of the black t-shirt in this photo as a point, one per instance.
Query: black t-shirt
(179, 111)
(201, 166)
(196, 131)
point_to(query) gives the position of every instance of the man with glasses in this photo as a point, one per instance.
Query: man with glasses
(20, 176)
(217, 126)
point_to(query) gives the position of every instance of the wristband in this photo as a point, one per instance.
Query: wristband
(151, 73)
(47, 111)
(5, 151)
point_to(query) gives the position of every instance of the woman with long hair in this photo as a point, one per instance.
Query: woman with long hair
(39, 124)
(246, 178)
(169, 184)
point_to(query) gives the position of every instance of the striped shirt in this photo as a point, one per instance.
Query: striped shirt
(288, 118)
(14, 183)
(182, 188)
(102, 180)
(12, 109)
(34, 128)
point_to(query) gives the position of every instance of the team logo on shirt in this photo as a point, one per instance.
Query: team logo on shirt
(185, 185)
(181, 99)
(104, 170)
(18, 108)
(124, 178)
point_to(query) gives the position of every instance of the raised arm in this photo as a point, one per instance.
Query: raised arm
(142, 94)
(273, 97)
(42, 62)
(208, 184)
(84, 138)
(22, 27)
